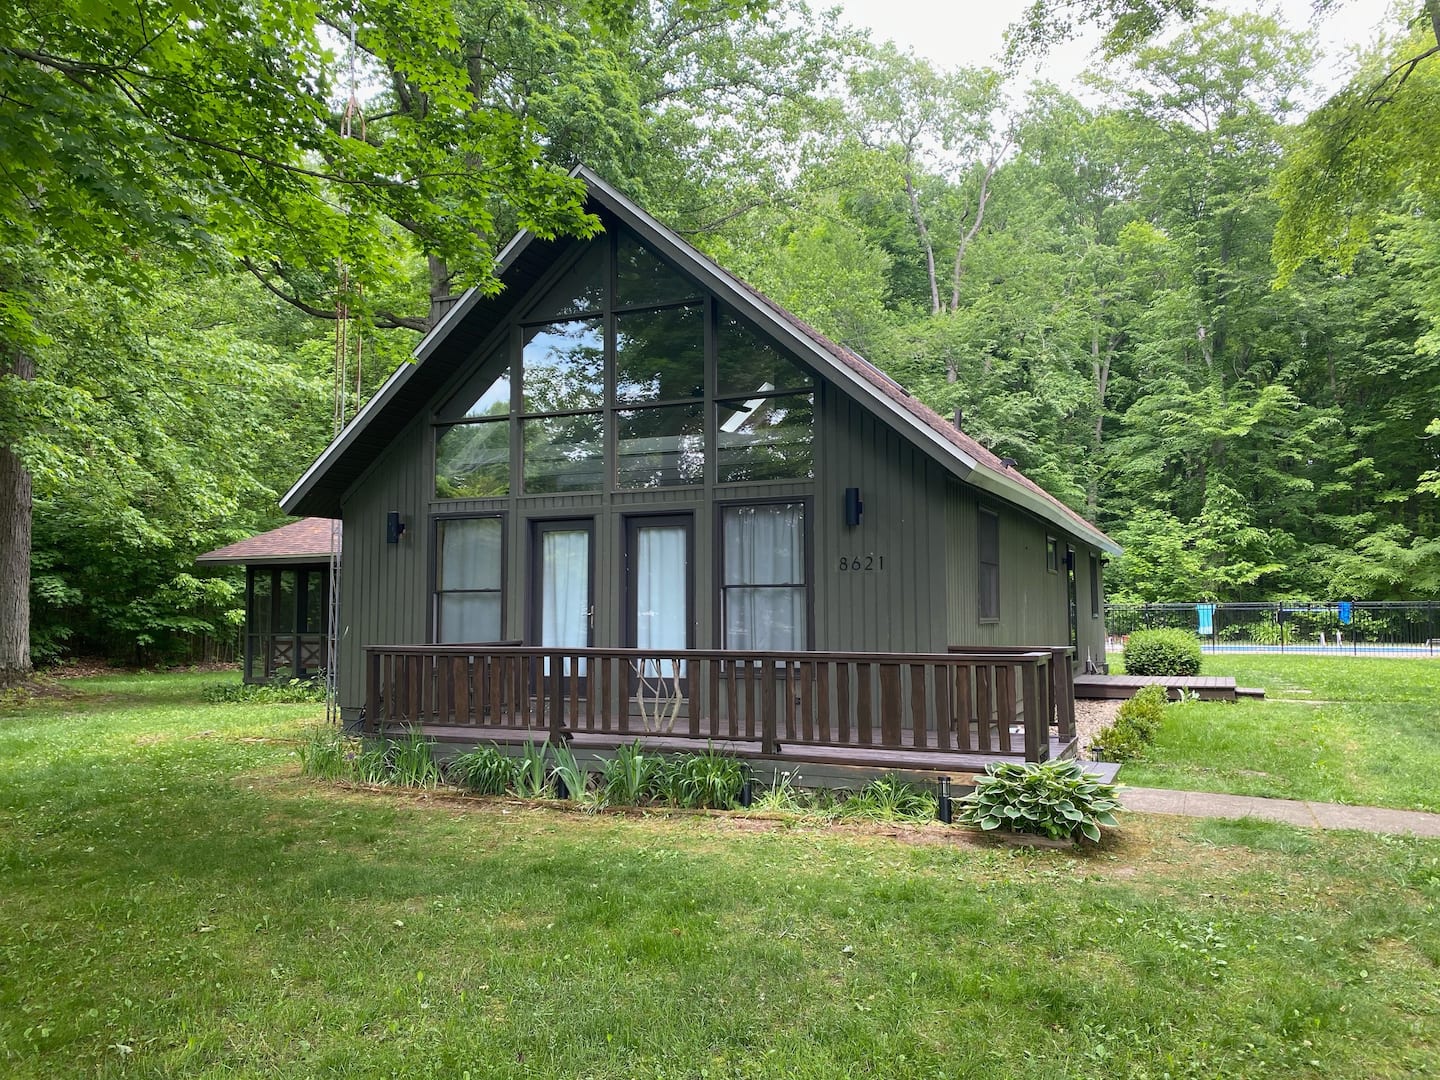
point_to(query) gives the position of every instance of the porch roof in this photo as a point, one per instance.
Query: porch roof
(465, 326)
(303, 541)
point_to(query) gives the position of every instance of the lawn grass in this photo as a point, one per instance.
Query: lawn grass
(1364, 731)
(175, 900)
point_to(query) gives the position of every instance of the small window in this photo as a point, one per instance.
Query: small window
(1052, 555)
(764, 597)
(562, 367)
(472, 461)
(643, 279)
(1095, 605)
(563, 453)
(660, 355)
(469, 576)
(750, 366)
(661, 447)
(988, 542)
(765, 438)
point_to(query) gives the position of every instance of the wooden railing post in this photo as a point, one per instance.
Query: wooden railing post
(1062, 673)
(1037, 718)
(372, 690)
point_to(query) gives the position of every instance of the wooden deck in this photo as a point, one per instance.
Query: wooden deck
(1208, 687)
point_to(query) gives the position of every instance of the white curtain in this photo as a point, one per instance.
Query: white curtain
(565, 590)
(662, 616)
(469, 617)
(765, 557)
(469, 554)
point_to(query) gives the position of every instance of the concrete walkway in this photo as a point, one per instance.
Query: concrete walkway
(1311, 814)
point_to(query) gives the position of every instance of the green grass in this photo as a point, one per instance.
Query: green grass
(1331, 729)
(176, 901)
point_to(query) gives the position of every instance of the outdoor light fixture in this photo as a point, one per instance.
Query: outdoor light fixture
(854, 508)
(394, 527)
(943, 809)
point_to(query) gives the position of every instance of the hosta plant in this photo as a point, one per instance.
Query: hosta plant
(1054, 799)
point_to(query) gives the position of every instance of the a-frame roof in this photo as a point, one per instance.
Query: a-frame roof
(466, 325)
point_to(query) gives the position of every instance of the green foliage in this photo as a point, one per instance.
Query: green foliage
(1055, 799)
(277, 691)
(486, 770)
(329, 754)
(1136, 724)
(709, 779)
(631, 777)
(1163, 652)
(569, 775)
(532, 774)
(888, 798)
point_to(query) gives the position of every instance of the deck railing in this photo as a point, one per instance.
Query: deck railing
(997, 703)
(1062, 680)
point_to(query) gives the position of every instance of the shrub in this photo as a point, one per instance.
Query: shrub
(710, 779)
(1162, 652)
(275, 692)
(486, 770)
(889, 798)
(327, 754)
(1135, 727)
(569, 776)
(1055, 799)
(630, 777)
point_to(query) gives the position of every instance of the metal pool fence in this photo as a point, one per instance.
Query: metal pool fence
(1348, 628)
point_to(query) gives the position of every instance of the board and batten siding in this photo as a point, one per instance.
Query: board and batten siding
(1034, 603)
(384, 587)
(897, 605)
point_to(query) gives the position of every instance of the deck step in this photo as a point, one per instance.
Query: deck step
(1120, 687)
(1250, 692)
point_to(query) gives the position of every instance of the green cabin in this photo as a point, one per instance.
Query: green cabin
(630, 486)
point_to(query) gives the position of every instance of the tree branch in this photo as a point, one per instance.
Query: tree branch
(383, 320)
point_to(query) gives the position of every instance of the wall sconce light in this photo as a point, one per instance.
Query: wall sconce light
(394, 527)
(854, 508)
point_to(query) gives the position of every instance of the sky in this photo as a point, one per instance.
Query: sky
(963, 33)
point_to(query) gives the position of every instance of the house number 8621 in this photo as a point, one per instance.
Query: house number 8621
(854, 563)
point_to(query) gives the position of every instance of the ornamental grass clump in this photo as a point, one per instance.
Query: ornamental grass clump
(631, 777)
(486, 770)
(888, 798)
(1162, 652)
(1054, 799)
(707, 780)
(1134, 728)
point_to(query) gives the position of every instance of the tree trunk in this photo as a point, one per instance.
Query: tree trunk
(15, 510)
(919, 219)
(441, 298)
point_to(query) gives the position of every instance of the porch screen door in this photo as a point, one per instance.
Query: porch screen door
(564, 609)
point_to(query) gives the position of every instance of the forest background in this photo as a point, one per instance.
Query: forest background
(1205, 319)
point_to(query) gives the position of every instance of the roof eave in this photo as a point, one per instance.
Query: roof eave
(293, 502)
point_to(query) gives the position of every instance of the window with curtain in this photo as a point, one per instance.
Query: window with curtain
(988, 543)
(764, 594)
(469, 579)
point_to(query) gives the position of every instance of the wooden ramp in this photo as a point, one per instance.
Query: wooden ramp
(1208, 687)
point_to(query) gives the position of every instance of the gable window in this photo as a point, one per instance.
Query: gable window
(1052, 555)
(624, 376)
(764, 427)
(472, 455)
(764, 594)
(988, 543)
(469, 579)
(1095, 587)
